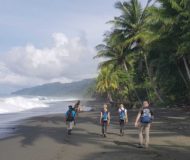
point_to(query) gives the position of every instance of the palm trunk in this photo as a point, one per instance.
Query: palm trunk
(109, 97)
(125, 66)
(148, 94)
(186, 67)
(182, 76)
(151, 81)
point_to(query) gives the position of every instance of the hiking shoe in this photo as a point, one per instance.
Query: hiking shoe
(140, 146)
(121, 134)
(69, 132)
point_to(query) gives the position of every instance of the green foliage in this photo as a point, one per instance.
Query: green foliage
(149, 51)
(107, 81)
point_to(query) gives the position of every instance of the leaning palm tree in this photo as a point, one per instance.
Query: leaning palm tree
(132, 27)
(131, 24)
(117, 57)
(129, 35)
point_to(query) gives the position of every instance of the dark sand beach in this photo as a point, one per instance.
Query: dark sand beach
(45, 138)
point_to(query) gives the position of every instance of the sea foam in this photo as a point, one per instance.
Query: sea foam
(18, 104)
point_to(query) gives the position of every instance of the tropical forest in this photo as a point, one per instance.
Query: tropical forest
(145, 55)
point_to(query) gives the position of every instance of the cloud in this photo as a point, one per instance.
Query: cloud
(67, 59)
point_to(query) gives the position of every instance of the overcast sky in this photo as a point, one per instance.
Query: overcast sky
(44, 41)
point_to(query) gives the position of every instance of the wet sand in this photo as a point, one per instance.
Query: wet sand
(45, 138)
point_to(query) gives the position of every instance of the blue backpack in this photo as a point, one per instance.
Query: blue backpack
(70, 115)
(122, 115)
(146, 116)
(104, 116)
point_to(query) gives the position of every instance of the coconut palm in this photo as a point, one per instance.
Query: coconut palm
(173, 19)
(116, 56)
(152, 45)
(130, 35)
(107, 81)
(133, 25)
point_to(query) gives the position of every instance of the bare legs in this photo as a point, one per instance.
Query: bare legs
(144, 129)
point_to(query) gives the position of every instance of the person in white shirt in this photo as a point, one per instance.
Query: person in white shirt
(123, 118)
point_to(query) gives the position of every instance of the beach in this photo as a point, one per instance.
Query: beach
(45, 138)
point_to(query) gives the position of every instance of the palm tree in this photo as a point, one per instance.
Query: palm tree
(173, 17)
(107, 81)
(116, 56)
(171, 20)
(117, 48)
(130, 35)
(132, 25)
(155, 38)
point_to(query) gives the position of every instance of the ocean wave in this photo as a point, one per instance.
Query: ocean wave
(18, 104)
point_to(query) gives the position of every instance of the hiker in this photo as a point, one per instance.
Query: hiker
(104, 119)
(77, 107)
(143, 121)
(123, 118)
(70, 119)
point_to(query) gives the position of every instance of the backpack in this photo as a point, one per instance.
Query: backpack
(146, 116)
(70, 115)
(122, 114)
(104, 116)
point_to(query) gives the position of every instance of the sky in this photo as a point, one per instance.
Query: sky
(45, 41)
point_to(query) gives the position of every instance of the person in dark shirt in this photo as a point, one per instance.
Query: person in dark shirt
(143, 121)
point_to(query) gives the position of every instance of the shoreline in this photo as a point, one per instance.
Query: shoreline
(45, 138)
(10, 121)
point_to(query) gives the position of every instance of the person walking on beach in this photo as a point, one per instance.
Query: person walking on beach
(143, 121)
(70, 119)
(77, 107)
(104, 119)
(123, 118)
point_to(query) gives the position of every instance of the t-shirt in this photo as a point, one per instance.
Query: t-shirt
(144, 109)
(125, 110)
(121, 110)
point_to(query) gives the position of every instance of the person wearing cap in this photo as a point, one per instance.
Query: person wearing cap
(70, 118)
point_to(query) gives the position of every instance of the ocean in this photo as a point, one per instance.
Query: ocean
(13, 109)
